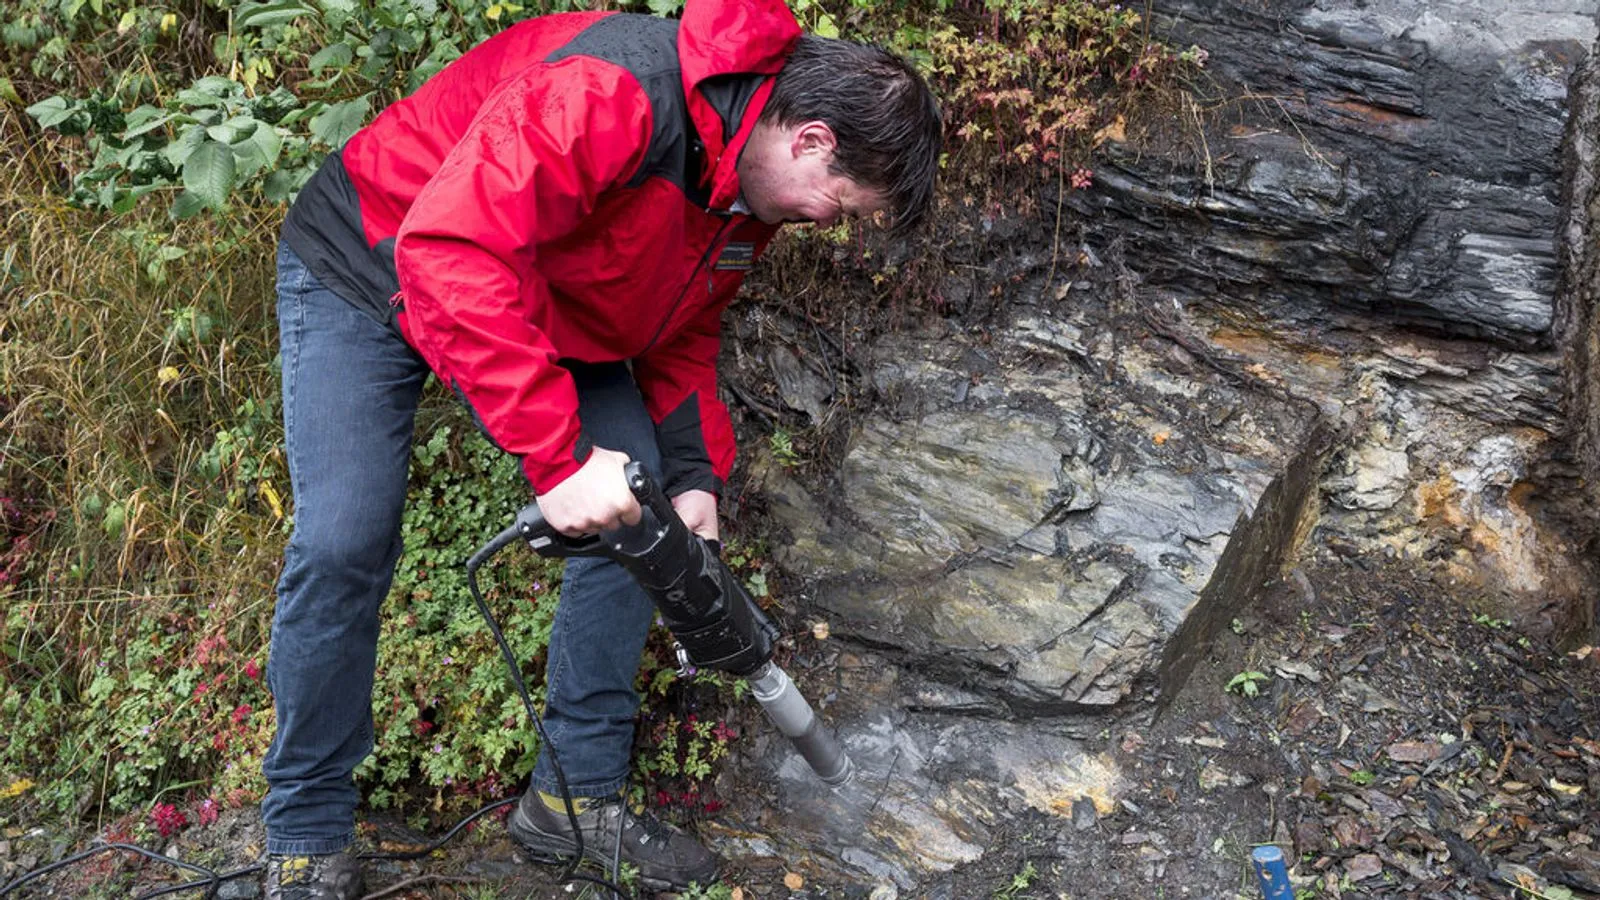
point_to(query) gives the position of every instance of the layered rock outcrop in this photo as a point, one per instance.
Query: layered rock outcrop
(1349, 306)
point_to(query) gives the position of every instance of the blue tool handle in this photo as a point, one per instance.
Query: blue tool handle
(1271, 873)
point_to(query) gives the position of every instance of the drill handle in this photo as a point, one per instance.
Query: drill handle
(652, 499)
(542, 537)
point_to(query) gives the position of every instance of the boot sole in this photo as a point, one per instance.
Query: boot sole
(550, 849)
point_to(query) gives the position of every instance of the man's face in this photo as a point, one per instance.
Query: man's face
(785, 176)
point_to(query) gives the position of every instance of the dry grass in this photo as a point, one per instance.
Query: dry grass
(107, 414)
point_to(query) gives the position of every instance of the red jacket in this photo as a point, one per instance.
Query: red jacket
(562, 192)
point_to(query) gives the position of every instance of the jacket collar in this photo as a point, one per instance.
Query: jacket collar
(730, 37)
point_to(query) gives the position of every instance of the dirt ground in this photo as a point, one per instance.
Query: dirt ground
(1397, 744)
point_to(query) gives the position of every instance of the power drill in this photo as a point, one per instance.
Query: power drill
(714, 621)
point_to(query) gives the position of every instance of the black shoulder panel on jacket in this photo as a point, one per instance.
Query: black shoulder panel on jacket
(647, 47)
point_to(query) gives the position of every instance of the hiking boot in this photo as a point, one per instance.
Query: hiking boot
(330, 876)
(667, 857)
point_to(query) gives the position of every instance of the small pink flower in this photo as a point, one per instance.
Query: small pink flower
(241, 712)
(1081, 179)
(208, 811)
(251, 670)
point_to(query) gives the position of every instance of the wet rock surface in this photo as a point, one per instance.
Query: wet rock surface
(1032, 525)
(1354, 158)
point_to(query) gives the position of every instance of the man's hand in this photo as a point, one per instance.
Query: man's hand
(698, 510)
(593, 499)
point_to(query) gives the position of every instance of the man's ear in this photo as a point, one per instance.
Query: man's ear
(813, 137)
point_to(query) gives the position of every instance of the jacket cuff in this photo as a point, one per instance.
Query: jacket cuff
(543, 475)
(680, 478)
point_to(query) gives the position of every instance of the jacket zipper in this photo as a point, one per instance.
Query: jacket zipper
(716, 241)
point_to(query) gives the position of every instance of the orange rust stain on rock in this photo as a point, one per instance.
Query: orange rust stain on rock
(1520, 494)
(1367, 112)
(1260, 345)
(1438, 500)
(1487, 539)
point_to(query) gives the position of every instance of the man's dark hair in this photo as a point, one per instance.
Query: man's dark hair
(885, 118)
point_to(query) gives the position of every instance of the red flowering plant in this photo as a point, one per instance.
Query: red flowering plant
(167, 819)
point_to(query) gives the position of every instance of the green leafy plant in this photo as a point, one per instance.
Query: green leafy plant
(1490, 622)
(719, 891)
(782, 444)
(450, 725)
(1019, 882)
(1247, 683)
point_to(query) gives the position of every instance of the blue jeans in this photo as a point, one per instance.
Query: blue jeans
(350, 391)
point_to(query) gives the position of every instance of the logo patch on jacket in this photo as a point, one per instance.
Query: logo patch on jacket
(737, 256)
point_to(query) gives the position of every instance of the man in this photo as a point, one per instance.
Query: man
(552, 225)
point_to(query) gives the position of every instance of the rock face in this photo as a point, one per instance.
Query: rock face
(1354, 308)
(1398, 183)
(1039, 534)
(1579, 307)
(1003, 560)
(1400, 159)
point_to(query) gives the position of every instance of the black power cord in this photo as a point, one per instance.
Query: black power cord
(213, 880)
(504, 538)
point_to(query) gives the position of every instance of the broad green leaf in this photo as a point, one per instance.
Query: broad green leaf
(665, 7)
(209, 91)
(217, 86)
(341, 7)
(257, 150)
(130, 199)
(178, 151)
(208, 173)
(52, 111)
(155, 124)
(280, 186)
(309, 111)
(276, 12)
(8, 92)
(336, 56)
(338, 122)
(235, 129)
(144, 120)
(192, 97)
